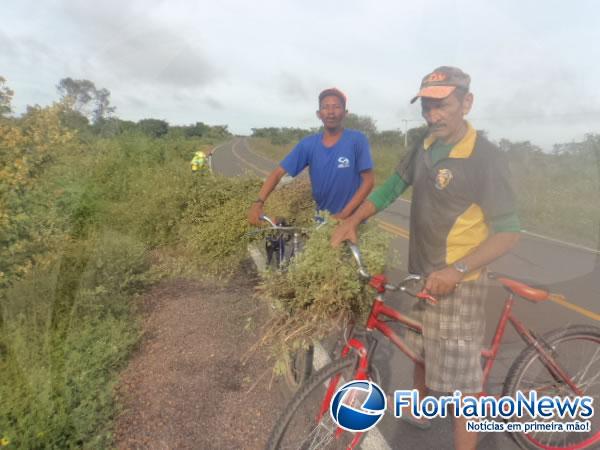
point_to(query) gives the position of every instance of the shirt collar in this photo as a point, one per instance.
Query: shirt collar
(463, 148)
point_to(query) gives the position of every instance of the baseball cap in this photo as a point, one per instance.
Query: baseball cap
(333, 91)
(442, 82)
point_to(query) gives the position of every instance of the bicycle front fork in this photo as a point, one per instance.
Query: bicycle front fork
(364, 352)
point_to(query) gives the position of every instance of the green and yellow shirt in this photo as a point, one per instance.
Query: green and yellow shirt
(459, 192)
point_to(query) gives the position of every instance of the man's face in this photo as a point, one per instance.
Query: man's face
(445, 116)
(331, 112)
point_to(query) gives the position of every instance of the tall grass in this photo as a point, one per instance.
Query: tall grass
(558, 194)
(68, 320)
(67, 328)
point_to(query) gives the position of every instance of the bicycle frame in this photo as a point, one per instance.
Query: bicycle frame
(281, 241)
(379, 311)
(380, 315)
(283, 234)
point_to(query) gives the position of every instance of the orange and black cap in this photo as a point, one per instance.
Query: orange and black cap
(442, 82)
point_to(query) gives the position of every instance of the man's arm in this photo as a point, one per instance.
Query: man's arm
(368, 180)
(256, 210)
(380, 199)
(347, 230)
(444, 281)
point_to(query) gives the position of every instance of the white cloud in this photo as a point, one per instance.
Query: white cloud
(263, 63)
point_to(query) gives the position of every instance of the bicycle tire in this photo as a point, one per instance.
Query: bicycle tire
(577, 350)
(297, 426)
(299, 367)
(273, 255)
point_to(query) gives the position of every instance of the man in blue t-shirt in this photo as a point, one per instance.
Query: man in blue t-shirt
(339, 162)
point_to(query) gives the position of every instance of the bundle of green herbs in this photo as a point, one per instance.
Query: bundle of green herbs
(320, 290)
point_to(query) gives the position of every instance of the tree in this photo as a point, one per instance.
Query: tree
(219, 131)
(103, 108)
(199, 129)
(74, 120)
(416, 134)
(361, 123)
(519, 149)
(83, 96)
(153, 127)
(589, 146)
(6, 95)
(112, 126)
(389, 138)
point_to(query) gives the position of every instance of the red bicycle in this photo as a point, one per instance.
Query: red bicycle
(563, 363)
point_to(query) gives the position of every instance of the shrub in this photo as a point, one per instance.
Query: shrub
(66, 331)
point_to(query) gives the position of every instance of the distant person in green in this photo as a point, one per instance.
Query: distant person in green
(201, 162)
(462, 217)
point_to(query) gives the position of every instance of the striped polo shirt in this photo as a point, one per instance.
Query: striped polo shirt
(454, 199)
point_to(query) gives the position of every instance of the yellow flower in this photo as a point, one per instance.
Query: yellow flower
(4, 442)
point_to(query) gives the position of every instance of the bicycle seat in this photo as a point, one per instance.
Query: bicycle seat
(526, 289)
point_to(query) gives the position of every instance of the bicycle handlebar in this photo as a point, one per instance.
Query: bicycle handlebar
(267, 219)
(356, 253)
(274, 226)
(402, 286)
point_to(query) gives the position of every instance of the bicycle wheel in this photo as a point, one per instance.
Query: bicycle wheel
(273, 252)
(299, 367)
(577, 351)
(299, 426)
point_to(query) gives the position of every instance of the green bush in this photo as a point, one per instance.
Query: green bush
(78, 224)
(214, 227)
(153, 128)
(66, 330)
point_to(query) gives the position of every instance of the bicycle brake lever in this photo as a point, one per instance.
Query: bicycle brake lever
(428, 298)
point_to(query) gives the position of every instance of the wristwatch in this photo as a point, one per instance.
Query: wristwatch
(259, 200)
(461, 267)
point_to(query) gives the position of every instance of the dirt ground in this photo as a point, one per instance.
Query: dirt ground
(189, 385)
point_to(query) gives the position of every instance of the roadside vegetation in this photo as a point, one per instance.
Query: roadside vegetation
(557, 191)
(93, 209)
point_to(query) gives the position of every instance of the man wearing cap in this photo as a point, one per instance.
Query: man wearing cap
(462, 217)
(339, 162)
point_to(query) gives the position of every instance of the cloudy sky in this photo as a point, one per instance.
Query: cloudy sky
(535, 65)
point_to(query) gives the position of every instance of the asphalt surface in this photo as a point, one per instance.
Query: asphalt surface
(562, 267)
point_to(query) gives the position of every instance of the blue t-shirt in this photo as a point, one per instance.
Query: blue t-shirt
(334, 171)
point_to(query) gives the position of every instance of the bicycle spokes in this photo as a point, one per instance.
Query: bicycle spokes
(577, 354)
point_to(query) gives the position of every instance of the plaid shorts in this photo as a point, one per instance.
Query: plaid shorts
(452, 340)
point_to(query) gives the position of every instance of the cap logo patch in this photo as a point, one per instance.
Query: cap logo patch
(436, 76)
(442, 179)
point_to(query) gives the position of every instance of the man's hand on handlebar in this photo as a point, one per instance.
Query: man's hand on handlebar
(255, 213)
(443, 282)
(346, 231)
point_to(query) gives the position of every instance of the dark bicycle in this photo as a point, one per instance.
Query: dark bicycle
(282, 243)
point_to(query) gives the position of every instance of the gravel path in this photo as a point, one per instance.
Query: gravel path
(189, 386)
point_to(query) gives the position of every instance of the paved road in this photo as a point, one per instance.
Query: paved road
(566, 269)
